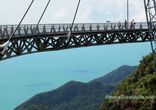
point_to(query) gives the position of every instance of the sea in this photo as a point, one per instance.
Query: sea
(25, 76)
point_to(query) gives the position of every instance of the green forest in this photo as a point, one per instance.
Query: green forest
(141, 83)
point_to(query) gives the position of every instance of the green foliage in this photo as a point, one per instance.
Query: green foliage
(141, 83)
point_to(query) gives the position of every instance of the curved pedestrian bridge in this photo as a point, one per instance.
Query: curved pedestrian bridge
(30, 38)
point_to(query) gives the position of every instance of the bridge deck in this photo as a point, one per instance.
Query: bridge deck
(26, 30)
(47, 37)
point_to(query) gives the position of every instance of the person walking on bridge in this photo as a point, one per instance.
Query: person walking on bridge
(132, 24)
(119, 25)
(126, 24)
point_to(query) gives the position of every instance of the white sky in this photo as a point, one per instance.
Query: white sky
(62, 11)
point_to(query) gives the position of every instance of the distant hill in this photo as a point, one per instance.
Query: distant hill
(117, 75)
(139, 89)
(77, 95)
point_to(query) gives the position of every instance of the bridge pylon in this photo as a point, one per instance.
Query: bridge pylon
(150, 10)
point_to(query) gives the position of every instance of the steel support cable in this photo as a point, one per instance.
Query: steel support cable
(43, 12)
(70, 31)
(4, 45)
(37, 26)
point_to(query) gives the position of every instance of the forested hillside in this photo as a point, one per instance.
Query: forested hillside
(138, 91)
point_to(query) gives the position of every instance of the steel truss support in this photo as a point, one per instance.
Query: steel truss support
(27, 45)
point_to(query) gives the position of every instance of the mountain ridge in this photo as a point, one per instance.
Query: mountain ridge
(75, 95)
(114, 77)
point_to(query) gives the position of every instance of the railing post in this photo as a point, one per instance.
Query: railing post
(64, 28)
(90, 27)
(12, 29)
(26, 29)
(19, 31)
(59, 29)
(76, 28)
(98, 27)
(44, 29)
(0, 30)
(83, 27)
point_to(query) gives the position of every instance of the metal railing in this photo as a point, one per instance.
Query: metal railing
(29, 29)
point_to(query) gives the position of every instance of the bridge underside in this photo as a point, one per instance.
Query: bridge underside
(50, 42)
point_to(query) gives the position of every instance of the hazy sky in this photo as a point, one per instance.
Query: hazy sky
(61, 11)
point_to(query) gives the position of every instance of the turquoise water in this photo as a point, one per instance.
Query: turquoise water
(24, 76)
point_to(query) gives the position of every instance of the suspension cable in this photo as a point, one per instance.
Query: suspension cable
(43, 12)
(21, 20)
(4, 45)
(69, 34)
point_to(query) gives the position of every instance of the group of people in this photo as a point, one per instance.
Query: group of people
(126, 25)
